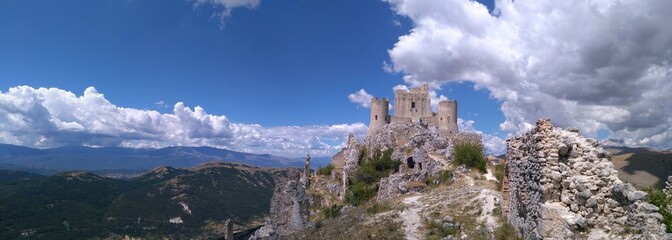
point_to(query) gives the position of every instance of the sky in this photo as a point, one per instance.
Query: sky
(296, 77)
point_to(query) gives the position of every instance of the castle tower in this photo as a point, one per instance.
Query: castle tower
(447, 117)
(380, 110)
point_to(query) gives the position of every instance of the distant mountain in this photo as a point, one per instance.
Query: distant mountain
(613, 142)
(642, 167)
(49, 161)
(76, 205)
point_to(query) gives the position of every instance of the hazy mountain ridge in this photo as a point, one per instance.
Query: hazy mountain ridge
(54, 160)
(83, 205)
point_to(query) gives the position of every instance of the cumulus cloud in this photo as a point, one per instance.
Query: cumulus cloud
(226, 6)
(596, 65)
(492, 143)
(51, 117)
(361, 98)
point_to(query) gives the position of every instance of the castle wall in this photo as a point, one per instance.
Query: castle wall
(447, 118)
(380, 115)
(414, 103)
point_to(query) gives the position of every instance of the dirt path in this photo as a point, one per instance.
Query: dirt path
(411, 217)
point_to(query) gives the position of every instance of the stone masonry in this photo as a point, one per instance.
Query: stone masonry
(414, 106)
(561, 185)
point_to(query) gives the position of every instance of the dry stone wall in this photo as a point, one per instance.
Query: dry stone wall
(563, 186)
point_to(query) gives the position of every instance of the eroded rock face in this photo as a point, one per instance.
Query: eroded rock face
(290, 209)
(351, 155)
(561, 184)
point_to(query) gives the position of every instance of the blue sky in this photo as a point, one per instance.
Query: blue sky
(277, 65)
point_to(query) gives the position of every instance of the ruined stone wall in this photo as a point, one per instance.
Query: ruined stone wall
(414, 103)
(561, 185)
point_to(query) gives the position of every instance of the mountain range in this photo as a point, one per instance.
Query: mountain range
(121, 162)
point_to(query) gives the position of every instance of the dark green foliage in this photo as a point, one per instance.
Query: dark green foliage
(326, 170)
(332, 211)
(657, 197)
(499, 175)
(83, 205)
(470, 155)
(360, 193)
(364, 181)
(506, 232)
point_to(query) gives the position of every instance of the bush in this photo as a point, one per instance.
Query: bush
(470, 155)
(506, 232)
(364, 182)
(657, 197)
(326, 170)
(499, 175)
(332, 211)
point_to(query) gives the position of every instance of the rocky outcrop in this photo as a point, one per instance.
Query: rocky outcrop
(422, 151)
(352, 153)
(562, 185)
(289, 211)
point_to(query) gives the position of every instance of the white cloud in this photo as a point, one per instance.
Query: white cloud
(492, 143)
(361, 98)
(51, 117)
(227, 6)
(594, 65)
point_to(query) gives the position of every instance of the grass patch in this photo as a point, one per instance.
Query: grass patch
(498, 171)
(378, 208)
(657, 197)
(443, 177)
(326, 170)
(470, 155)
(506, 232)
(363, 183)
(436, 230)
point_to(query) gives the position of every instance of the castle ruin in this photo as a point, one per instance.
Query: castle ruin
(414, 106)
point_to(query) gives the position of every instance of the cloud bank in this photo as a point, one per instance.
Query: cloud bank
(52, 117)
(596, 65)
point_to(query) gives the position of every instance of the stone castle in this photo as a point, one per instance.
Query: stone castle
(414, 106)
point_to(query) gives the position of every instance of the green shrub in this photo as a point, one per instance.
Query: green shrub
(470, 155)
(506, 232)
(363, 183)
(360, 193)
(657, 197)
(326, 170)
(499, 175)
(332, 211)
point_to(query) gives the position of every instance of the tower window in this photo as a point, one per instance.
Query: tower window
(442, 119)
(376, 117)
(412, 104)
